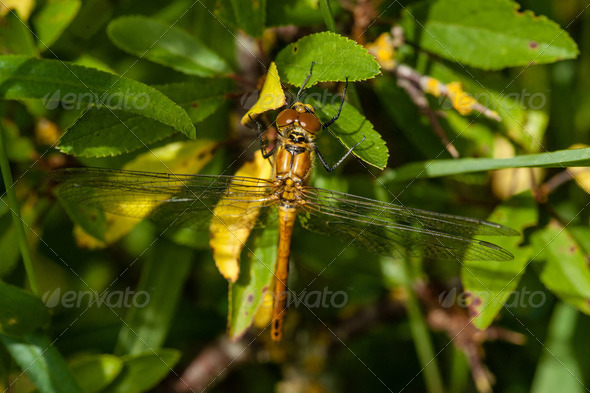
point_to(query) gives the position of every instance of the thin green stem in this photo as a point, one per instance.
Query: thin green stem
(422, 339)
(459, 371)
(327, 15)
(16, 218)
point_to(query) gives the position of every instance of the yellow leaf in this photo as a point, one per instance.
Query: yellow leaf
(233, 221)
(271, 97)
(511, 181)
(185, 157)
(23, 8)
(383, 50)
(264, 313)
(46, 132)
(177, 157)
(581, 174)
(84, 240)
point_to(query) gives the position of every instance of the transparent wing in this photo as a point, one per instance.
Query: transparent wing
(390, 229)
(167, 199)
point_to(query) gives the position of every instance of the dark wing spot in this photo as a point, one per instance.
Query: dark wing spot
(533, 45)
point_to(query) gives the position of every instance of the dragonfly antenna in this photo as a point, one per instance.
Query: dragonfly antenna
(304, 82)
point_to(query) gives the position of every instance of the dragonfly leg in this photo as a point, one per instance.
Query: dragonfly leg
(259, 131)
(337, 115)
(304, 82)
(323, 161)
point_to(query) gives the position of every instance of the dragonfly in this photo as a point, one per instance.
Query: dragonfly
(383, 228)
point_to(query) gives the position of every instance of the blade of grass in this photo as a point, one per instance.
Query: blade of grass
(163, 276)
(15, 212)
(459, 371)
(327, 15)
(559, 369)
(447, 167)
(422, 340)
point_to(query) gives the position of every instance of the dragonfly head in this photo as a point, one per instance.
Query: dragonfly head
(302, 115)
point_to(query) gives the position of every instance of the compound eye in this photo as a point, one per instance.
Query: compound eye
(286, 117)
(309, 122)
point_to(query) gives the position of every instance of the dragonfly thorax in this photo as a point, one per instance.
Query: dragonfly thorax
(298, 136)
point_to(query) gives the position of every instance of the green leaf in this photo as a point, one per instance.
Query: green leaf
(487, 34)
(491, 283)
(20, 312)
(297, 12)
(350, 128)
(93, 373)
(199, 97)
(247, 294)
(146, 328)
(336, 58)
(524, 126)
(437, 168)
(8, 238)
(415, 126)
(19, 148)
(566, 271)
(53, 19)
(76, 87)
(165, 44)
(250, 16)
(102, 132)
(16, 36)
(142, 372)
(91, 219)
(559, 370)
(38, 357)
(91, 19)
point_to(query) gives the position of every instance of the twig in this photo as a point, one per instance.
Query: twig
(403, 71)
(212, 365)
(419, 98)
